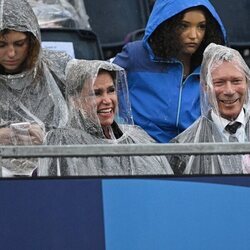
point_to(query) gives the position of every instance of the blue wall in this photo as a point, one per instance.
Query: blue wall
(126, 213)
(163, 214)
(51, 214)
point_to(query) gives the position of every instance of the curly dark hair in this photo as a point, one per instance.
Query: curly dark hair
(33, 53)
(165, 41)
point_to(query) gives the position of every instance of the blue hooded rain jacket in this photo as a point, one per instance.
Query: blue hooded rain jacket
(162, 103)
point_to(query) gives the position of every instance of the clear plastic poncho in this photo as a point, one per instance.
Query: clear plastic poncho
(32, 96)
(60, 13)
(210, 127)
(85, 127)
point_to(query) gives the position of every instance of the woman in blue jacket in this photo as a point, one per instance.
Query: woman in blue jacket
(163, 68)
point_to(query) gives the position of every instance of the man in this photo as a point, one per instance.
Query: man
(225, 80)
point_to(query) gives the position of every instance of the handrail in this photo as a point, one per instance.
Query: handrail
(124, 149)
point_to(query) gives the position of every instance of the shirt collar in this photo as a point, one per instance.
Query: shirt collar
(222, 122)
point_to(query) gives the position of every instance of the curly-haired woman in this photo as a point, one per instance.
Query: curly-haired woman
(163, 68)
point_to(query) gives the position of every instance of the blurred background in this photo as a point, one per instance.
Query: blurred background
(95, 29)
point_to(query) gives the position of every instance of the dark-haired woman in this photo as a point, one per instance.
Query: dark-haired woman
(31, 102)
(100, 113)
(163, 68)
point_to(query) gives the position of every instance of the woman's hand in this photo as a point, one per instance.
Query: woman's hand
(36, 134)
(32, 135)
(6, 136)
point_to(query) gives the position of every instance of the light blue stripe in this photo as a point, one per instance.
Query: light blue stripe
(163, 214)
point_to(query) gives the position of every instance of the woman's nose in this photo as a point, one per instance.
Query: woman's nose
(193, 32)
(11, 51)
(106, 99)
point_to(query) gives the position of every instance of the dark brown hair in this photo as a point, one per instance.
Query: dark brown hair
(111, 73)
(165, 41)
(33, 51)
(78, 89)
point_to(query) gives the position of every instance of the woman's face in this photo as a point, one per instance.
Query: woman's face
(105, 99)
(14, 48)
(192, 31)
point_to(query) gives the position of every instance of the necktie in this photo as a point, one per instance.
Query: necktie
(234, 160)
(232, 128)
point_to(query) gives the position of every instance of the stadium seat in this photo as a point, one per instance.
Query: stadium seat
(237, 24)
(113, 20)
(135, 35)
(81, 44)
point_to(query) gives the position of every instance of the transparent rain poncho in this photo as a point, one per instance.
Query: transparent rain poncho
(32, 96)
(60, 13)
(205, 129)
(85, 127)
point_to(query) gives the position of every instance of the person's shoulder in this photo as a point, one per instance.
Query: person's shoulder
(132, 56)
(50, 54)
(134, 44)
(68, 135)
(189, 134)
(55, 60)
(55, 56)
(133, 48)
(139, 134)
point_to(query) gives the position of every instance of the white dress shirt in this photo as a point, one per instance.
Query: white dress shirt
(240, 134)
(221, 123)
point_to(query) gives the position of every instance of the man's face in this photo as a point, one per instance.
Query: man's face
(230, 88)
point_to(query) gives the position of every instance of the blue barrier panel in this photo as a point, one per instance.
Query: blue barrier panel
(126, 213)
(177, 213)
(51, 214)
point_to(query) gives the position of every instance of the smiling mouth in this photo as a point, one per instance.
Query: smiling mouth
(105, 111)
(228, 102)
